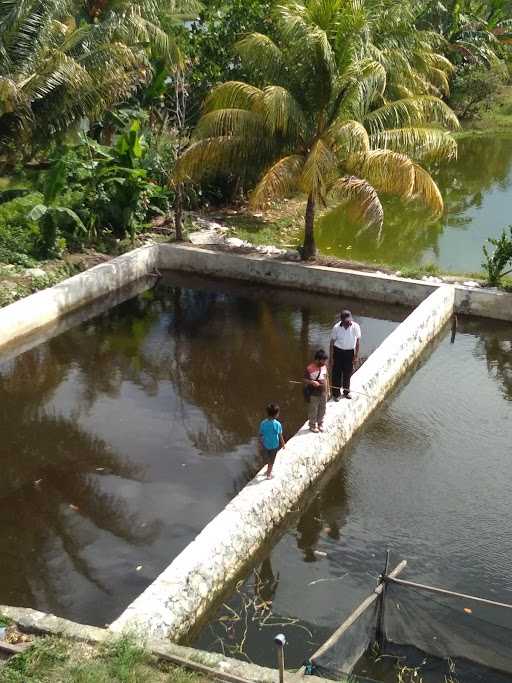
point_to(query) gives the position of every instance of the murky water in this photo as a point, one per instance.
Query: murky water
(477, 191)
(428, 477)
(123, 436)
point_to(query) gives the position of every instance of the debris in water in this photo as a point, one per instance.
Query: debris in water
(468, 610)
(100, 469)
(38, 482)
(74, 507)
(138, 568)
(319, 553)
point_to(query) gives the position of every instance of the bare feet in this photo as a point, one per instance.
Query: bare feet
(314, 429)
(320, 428)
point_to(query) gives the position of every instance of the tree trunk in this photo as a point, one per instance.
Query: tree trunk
(309, 248)
(178, 213)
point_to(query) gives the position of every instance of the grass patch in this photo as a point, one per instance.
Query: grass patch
(57, 660)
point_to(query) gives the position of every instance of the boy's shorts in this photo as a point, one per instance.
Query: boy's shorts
(269, 454)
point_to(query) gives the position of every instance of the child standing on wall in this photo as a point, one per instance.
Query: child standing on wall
(316, 389)
(271, 437)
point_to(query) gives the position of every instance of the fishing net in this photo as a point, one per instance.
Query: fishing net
(341, 652)
(446, 636)
(448, 627)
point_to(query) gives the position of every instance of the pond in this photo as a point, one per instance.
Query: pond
(428, 477)
(477, 191)
(126, 434)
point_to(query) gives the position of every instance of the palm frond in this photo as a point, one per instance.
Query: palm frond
(227, 122)
(418, 143)
(259, 52)
(235, 95)
(363, 196)
(413, 111)
(212, 156)
(385, 170)
(347, 137)
(283, 115)
(280, 180)
(426, 191)
(319, 170)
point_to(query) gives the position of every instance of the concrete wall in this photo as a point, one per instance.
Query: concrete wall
(184, 592)
(488, 303)
(258, 268)
(35, 311)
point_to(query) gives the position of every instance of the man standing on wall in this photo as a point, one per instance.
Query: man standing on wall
(344, 350)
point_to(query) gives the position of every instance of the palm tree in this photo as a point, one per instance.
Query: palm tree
(475, 32)
(319, 115)
(61, 60)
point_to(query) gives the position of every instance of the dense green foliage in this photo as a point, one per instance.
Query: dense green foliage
(344, 103)
(99, 98)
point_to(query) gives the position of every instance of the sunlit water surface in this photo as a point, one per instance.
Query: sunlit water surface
(477, 192)
(428, 477)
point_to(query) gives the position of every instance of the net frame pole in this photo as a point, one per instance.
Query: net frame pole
(357, 612)
(379, 630)
(444, 591)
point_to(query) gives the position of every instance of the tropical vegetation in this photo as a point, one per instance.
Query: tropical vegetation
(116, 114)
(343, 104)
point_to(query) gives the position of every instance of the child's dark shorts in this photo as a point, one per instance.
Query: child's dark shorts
(269, 454)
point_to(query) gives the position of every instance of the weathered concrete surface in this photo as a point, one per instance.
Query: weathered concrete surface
(27, 315)
(41, 623)
(483, 302)
(261, 268)
(478, 301)
(182, 595)
(76, 317)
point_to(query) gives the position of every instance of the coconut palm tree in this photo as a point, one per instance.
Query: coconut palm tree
(319, 117)
(61, 60)
(475, 32)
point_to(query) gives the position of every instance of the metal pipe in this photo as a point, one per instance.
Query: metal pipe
(280, 641)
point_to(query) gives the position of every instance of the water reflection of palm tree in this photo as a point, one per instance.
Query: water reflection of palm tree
(52, 502)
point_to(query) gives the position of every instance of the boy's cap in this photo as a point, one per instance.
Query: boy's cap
(346, 315)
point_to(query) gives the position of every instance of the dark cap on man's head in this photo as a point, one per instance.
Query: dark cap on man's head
(346, 315)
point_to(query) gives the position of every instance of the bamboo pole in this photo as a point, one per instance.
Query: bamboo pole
(444, 591)
(357, 612)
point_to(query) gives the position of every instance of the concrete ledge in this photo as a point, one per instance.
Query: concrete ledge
(183, 594)
(258, 268)
(41, 623)
(27, 315)
(39, 310)
(487, 303)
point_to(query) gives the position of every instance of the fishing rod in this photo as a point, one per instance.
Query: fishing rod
(352, 391)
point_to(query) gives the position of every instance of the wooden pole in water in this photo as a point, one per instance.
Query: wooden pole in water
(357, 612)
(380, 619)
(443, 591)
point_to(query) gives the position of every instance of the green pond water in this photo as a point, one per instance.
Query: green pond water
(477, 191)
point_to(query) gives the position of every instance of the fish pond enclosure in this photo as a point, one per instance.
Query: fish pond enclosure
(129, 494)
(429, 478)
(123, 436)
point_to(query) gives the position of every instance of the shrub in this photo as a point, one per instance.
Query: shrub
(475, 88)
(499, 259)
(20, 238)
